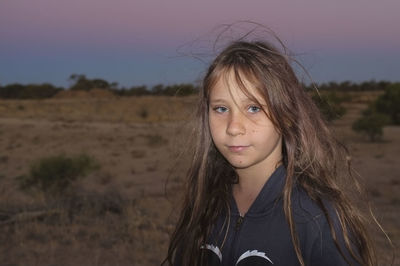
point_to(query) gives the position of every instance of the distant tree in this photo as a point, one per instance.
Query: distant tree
(157, 89)
(39, 91)
(100, 84)
(30, 91)
(383, 84)
(139, 91)
(11, 91)
(371, 85)
(330, 105)
(345, 85)
(183, 89)
(81, 82)
(371, 124)
(389, 103)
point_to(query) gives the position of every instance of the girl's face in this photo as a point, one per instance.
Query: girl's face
(240, 129)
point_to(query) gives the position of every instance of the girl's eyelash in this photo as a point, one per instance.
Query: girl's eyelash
(218, 109)
(221, 109)
(254, 107)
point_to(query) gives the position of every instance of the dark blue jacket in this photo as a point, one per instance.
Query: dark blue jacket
(262, 236)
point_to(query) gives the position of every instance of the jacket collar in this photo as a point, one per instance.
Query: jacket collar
(268, 195)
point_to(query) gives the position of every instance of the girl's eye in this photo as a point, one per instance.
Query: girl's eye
(254, 109)
(220, 109)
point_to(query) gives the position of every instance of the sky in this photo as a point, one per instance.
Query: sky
(147, 42)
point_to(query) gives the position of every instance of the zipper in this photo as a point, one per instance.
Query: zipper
(238, 226)
(239, 222)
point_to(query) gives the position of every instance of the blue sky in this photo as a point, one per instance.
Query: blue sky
(140, 42)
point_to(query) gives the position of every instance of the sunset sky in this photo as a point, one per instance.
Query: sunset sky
(136, 42)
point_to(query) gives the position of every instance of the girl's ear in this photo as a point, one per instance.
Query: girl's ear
(288, 123)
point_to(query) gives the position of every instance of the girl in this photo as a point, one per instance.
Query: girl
(265, 184)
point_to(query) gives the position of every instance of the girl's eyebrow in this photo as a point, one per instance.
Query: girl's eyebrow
(244, 101)
(217, 101)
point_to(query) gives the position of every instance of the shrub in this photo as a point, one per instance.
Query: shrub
(389, 103)
(143, 113)
(180, 90)
(55, 174)
(330, 105)
(371, 124)
(30, 91)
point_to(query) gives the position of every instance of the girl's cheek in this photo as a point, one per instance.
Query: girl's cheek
(216, 119)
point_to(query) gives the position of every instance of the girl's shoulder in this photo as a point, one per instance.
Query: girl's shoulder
(314, 218)
(305, 209)
(313, 225)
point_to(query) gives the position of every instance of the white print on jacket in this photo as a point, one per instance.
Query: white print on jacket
(250, 257)
(253, 253)
(214, 249)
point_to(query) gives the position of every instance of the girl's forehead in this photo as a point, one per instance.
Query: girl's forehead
(228, 86)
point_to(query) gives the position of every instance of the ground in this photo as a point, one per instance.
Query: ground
(123, 212)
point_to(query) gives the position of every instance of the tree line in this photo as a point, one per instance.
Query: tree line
(384, 111)
(81, 82)
(344, 86)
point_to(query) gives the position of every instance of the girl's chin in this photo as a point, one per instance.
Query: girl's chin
(239, 164)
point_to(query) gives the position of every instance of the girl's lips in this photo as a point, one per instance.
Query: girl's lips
(237, 148)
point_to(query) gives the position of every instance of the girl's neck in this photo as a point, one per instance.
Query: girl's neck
(250, 185)
(252, 180)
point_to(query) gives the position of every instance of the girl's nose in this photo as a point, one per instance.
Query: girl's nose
(235, 126)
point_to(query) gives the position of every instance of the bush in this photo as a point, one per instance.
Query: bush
(330, 105)
(30, 91)
(133, 91)
(56, 173)
(143, 113)
(389, 103)
(371, 124)
(180, 90)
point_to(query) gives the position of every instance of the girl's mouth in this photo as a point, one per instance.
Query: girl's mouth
(237, 148)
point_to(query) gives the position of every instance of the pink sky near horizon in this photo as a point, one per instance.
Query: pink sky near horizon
(359, 22)
(36, 27)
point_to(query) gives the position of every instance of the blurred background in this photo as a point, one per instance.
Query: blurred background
(96, 101)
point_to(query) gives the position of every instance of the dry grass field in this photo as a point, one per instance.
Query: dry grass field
(122, 212)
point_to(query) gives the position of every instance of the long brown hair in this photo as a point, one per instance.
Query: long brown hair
(313, 158)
